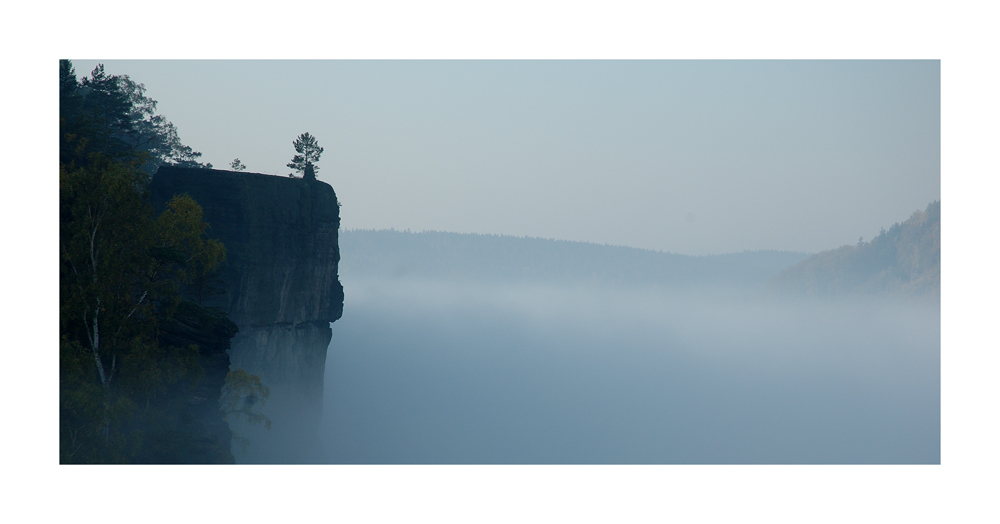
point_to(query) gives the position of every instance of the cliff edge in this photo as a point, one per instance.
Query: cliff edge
(280, 279)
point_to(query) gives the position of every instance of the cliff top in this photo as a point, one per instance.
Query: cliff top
(281, 238)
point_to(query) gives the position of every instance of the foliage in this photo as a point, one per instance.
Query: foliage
(112, 114)
(243, 396)
(120, 272)
(182, 233)
(308, 153)
(121, 267)
(236, 165)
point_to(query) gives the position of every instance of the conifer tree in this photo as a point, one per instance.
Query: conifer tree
(308, 153)
(111, 115)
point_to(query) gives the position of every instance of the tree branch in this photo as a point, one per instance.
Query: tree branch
(122, 325)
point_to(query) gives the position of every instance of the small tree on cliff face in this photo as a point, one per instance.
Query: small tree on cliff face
(308, 153)
(243, 395)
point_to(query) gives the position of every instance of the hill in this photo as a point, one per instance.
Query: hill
(904, 261)
(474, 257)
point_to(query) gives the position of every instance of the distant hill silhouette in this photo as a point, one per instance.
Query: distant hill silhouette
(501, 258)
(904, 261)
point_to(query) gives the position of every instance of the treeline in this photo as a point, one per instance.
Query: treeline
(111, 115)
(393, 254)
(133, 343)
(904, 261)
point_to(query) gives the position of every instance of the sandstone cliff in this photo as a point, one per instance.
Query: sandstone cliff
(188, 427)
(280, 277)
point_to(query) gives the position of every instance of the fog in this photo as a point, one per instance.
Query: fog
(441, 371)
(478, 349)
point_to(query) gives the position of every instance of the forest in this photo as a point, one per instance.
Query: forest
(901, 262)
(436, 255)
(139, 356)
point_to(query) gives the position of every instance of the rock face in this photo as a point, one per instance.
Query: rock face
(281, 282)
(189, 428)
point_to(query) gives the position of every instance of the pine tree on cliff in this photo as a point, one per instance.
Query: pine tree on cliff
(308, 153)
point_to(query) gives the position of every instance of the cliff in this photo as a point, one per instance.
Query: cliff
(903, 262)
(188, 428)
(281, 285)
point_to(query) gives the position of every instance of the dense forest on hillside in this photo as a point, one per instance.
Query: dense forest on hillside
(904, 261)
(431, 254)
(142, 364)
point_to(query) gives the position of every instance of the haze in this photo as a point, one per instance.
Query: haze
(449, 351)
(430, 373)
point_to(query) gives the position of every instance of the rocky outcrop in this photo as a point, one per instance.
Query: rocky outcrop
(280, 277)
(187, 427)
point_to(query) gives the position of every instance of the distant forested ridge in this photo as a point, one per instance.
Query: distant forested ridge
(904, 261)
(474, 257)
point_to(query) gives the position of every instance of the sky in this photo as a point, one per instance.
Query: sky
(685, 156)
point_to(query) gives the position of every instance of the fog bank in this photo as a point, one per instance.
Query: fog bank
(434, 371)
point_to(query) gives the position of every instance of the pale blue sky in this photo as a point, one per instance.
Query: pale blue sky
(694, 157)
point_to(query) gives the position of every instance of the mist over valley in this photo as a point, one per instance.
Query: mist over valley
(488, 349)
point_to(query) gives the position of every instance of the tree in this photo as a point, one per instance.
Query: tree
(105, 303)
(121, 269)
(236, 165)
(111, 114)
(308, 153)
(243, 396)
(180, 227)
